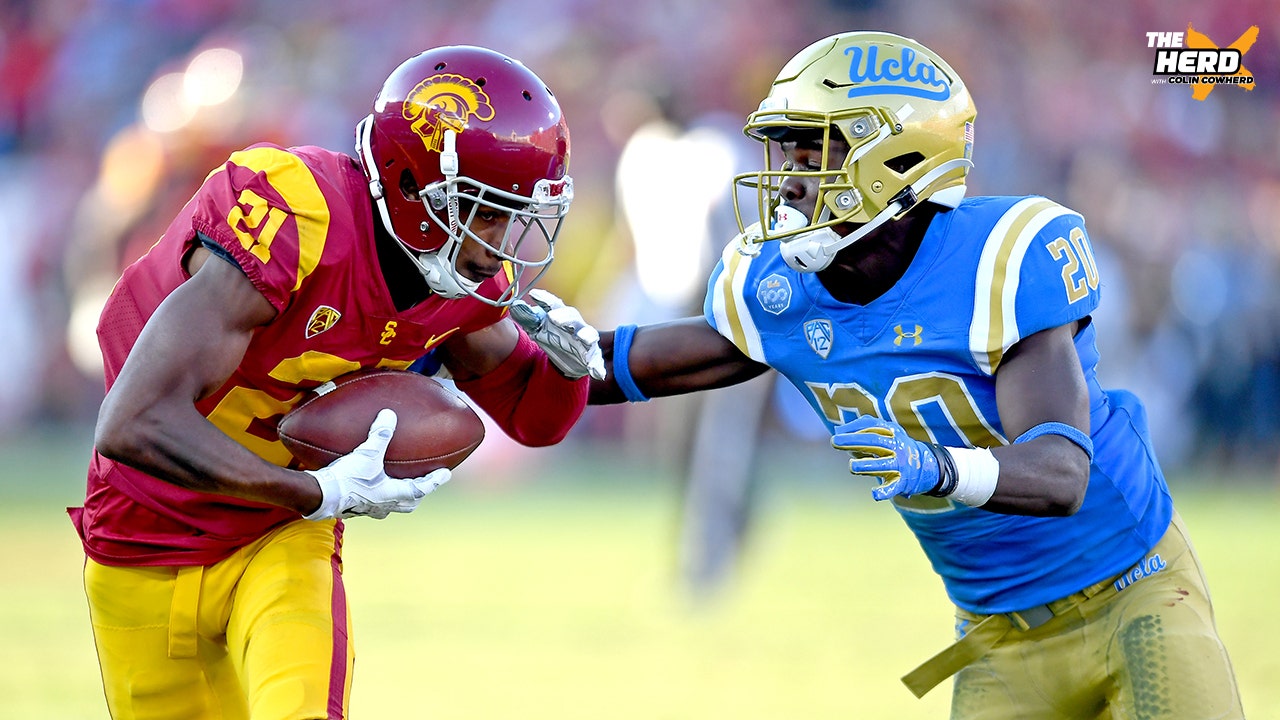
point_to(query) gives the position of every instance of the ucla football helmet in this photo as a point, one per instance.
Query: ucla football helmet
(458, 131)
(906, 117)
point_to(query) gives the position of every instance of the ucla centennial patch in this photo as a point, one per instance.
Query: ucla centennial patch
(774, 294)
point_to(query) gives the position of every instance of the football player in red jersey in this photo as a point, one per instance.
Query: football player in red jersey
(213, 570)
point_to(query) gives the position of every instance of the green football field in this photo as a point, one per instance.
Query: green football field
(558, 597)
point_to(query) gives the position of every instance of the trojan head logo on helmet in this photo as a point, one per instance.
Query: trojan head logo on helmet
(444, 102)
(906, 117)
(459, 132)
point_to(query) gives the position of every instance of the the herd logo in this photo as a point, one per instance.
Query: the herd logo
(819, 334)
(908, 73)
(1191, 58)
(322, 319)
(774, 294)
(453, 98)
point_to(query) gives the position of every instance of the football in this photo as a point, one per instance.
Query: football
(435, 428)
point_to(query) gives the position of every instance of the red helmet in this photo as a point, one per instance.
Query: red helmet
(467, 123)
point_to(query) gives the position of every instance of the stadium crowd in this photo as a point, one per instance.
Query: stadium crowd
(111, 112)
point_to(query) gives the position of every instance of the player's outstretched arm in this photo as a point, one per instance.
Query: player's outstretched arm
(189, 347)
(670, 358)
(571, 344)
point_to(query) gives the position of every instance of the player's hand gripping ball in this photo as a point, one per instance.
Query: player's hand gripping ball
(435, 428)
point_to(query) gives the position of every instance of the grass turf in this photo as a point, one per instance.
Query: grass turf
(559, 598)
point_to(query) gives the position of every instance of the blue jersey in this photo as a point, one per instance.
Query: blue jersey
(925, 354)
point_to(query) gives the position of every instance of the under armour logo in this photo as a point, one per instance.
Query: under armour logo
(914, 335)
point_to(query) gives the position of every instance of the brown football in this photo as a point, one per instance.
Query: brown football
(435, 428)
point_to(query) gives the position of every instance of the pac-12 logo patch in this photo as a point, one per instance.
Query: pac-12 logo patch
(774, 294)
(819, 334)
(322, 319)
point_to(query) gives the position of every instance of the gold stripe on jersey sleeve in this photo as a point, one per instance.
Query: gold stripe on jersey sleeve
(293, 180)
(1000, 276)
(731, 312)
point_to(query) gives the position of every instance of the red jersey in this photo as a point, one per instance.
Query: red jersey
(300, 224)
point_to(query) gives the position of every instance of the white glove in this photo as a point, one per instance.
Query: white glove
(356, 483)
(572, 345)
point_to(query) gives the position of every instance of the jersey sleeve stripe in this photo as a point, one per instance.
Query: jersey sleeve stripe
(733, 320)
(995, 325)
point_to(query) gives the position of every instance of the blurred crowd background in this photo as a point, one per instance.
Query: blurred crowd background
(113, 111)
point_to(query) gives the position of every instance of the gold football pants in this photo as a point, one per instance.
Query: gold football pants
(262, 634)
(1141, 646)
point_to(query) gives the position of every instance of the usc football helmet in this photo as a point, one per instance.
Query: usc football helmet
(459, 132)
(906, 117)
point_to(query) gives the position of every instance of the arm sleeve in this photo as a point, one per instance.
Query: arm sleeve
(528, 398)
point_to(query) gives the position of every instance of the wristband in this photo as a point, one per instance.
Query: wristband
(947, 477)
(1069, 432)
(977, 472)
(621, 365)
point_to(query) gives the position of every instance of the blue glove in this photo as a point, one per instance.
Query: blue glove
(904, 465)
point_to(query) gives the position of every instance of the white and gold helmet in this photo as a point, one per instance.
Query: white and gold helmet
(908, 120)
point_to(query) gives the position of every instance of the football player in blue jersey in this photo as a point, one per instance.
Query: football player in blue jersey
(947, 344)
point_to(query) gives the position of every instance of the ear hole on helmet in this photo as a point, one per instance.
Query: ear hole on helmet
(526, 94)
(408, 186)
(480, 81)
(903, 163)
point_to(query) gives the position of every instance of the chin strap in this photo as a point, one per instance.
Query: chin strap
(813, 251)
(440, 274)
